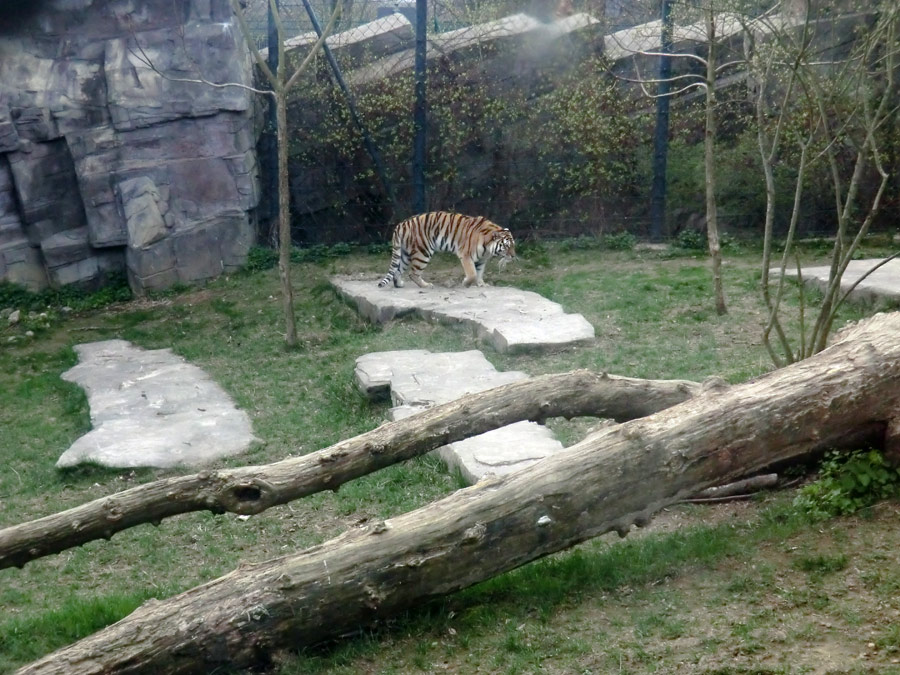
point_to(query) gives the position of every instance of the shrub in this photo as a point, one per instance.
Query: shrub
(74, 297)
(847, 483)
(620, 241)
(261, 258)
(582, 242)
(694, 240)
(320, 252)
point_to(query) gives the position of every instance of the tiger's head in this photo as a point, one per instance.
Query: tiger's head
(504, 246)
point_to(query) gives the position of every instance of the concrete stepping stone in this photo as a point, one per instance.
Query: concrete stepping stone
(417, 379)
(509, 319)
(882, 283)
(152, 408)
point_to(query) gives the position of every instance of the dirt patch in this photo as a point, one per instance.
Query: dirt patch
(783, 609)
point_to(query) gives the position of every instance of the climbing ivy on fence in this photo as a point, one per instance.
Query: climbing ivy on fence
(525, 154)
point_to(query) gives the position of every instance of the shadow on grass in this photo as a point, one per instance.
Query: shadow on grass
(93, 472)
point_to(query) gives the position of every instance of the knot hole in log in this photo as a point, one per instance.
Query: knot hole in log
(248, 497)
(247, 493)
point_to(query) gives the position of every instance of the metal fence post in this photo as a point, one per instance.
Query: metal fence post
(661, 137)
(268, 146)
(369, 144)
(420, 117)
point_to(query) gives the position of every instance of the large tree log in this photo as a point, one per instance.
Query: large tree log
(613, 479)
(250, 490)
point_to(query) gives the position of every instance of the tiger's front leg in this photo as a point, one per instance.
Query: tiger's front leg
(479, 272)
(472, 276)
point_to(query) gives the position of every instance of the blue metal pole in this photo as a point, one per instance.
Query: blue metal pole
(420, 117)
(661, 138)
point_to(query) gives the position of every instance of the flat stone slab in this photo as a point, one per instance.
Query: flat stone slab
(509, 319)
(152, 408)
(882, 283)
(417, 379)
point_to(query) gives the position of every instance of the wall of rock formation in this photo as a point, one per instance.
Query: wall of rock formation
(108, 166)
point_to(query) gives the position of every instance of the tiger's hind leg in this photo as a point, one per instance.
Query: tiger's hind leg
(417, 263)
(402, 264)
(395, 271)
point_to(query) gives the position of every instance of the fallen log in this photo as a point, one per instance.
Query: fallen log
(617, 477)
(250, 490)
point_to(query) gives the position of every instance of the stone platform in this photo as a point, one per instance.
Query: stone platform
(509, 319)
(883, 283)
(152, 408)
(417, 379)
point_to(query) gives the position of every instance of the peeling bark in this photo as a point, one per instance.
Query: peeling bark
(250, 490)
(613, 479)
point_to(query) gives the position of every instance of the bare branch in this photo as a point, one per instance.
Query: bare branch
(642, 81)
(335, 15)
(792, 228)
(646, 92)
(730, 64)
(863, 278)
(677, 55)
(246, 32)
(802, 293)
(144, 58)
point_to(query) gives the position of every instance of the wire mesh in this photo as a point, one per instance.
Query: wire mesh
(527, 121)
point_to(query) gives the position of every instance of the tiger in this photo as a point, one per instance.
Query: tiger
(474, 239)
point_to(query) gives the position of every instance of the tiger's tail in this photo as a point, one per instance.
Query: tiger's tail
(393, 274)
(395, 270)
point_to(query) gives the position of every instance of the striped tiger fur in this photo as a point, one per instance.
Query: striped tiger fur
(474, 239)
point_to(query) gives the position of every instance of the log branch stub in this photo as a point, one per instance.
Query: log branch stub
(738, 488)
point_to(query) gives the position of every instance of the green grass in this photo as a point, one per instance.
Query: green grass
(606, 605)
(25, 639)
(821, 564)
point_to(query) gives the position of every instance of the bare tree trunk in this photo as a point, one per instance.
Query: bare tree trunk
(284, 221)
(281, 85)
(709, 143)
(253, 489)
(613, 479)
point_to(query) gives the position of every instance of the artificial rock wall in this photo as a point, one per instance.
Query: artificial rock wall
(108, 166)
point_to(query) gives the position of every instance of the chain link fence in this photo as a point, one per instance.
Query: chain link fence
(443, 15)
